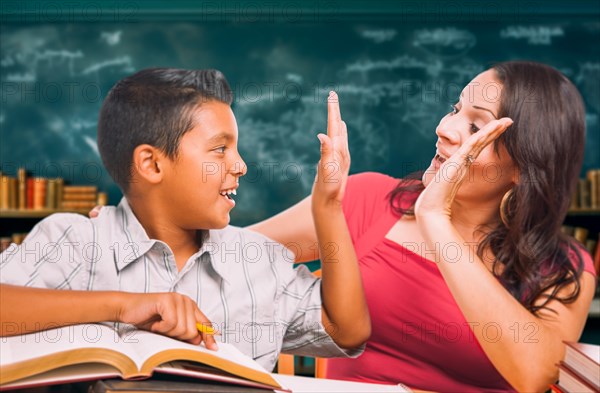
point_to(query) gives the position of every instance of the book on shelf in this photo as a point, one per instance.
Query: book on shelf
(39, 193)
(99, 351)
(22, 180)
(587, 192)
(580, 369)
(597, 256)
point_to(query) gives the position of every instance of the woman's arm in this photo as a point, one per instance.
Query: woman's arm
(293, 228)
(523, 347)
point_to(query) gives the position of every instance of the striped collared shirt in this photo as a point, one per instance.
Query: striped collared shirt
(245, 283)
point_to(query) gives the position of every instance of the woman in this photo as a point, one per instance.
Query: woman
(470, 284)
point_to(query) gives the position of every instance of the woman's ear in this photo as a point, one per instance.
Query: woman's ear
(147, 163)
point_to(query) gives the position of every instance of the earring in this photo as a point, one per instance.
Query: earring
(503, 208)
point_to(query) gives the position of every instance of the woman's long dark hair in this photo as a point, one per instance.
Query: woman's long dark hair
(546, 143)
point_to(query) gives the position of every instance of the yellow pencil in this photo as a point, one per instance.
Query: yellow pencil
(203, 328)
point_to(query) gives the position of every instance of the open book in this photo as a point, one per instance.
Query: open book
(97, 351)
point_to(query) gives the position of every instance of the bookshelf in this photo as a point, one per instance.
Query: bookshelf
(588, 218)
(26, 199)
(30, 213)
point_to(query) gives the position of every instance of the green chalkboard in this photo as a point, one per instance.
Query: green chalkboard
(397, 67)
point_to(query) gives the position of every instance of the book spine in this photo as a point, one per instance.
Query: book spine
(591, 178)
(581, 234)
(584, 194)
(22, 179)
(4, 192)
(80, 189)
(596, 176)
(5, 243)
(597, 256)
(88, 196)
(30, 193)
(102, 199)
(39, 193)
(51, 194)
(78, 204)
(13, 193)
(575, 198)
(60, 187)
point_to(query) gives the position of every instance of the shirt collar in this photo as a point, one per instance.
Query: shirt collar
(138, 242)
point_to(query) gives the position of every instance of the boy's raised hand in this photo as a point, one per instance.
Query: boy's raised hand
(170, 313)
(334, 165)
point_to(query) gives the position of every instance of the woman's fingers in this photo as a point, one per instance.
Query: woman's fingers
(471, 149)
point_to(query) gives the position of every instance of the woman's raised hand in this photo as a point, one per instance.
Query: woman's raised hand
(436, 199)
(334, 165)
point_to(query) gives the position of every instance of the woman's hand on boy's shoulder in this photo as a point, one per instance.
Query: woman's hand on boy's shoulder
(170, 313)
(95, 212)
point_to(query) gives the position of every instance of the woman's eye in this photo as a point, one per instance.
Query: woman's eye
(474, 128)
(220, 149)
(454, 109)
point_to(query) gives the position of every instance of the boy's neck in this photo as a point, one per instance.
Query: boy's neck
(183, 242)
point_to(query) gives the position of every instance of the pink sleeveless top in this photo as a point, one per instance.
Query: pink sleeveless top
(419, 335)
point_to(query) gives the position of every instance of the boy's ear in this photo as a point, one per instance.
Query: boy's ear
(148, 161)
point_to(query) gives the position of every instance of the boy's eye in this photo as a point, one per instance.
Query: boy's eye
(220, 149)
(454, 109)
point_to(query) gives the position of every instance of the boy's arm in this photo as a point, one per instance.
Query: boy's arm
(345, 311)
(25, 310)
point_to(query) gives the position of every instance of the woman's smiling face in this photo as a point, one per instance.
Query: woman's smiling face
(491, 174)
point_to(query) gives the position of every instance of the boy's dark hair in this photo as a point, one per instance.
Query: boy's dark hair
(154, 106)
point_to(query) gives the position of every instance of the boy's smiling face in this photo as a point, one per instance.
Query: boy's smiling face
(207, 165)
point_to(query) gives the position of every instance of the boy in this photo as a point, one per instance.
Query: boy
(165, 259)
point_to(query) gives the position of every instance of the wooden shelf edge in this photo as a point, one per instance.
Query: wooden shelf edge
(579, 212)
(30, 213)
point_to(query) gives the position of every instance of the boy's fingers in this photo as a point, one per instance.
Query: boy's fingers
(209, 339)
(333, 115)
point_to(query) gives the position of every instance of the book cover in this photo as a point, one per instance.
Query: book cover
(583, 362)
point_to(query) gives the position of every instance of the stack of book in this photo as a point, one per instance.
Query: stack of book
(38, 193)
(79, 197)
(587, 194)
(580, 371)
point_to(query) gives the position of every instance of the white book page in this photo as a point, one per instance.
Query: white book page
(34, 345)
(148, 344)
(314, 385)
